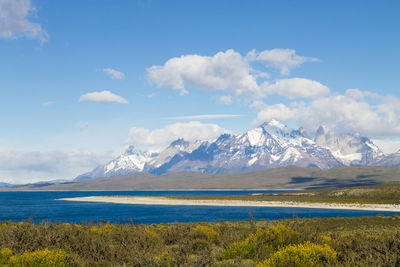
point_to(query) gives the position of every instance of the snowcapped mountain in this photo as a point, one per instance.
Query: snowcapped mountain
(177, 147)
(269, 145)
(130, 161)
(390, 160)
(350, 149)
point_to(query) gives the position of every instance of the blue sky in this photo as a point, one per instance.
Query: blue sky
(203, 66)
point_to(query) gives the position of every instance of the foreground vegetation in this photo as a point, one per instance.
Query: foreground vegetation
(387, 193)
(362, 241)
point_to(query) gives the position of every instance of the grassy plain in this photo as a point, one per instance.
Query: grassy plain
(386, 193)
(290, 177)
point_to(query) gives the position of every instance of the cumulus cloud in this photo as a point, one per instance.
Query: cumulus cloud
(103, 97)
(230, 72)
(158, 139)
(206, 117)
(297, 88)
(341, 113)
(114, 74)
(281, 59)
(223, 71)
(26, 167)
(15, 21)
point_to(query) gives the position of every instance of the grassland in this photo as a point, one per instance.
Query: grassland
(362, 241)
(290, 177)
(386, 193)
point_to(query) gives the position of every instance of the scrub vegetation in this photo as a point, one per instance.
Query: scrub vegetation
(360, 241)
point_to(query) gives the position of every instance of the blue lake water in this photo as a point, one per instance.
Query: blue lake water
(42, 206)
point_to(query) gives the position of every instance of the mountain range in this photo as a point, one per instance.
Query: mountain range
(270, 145)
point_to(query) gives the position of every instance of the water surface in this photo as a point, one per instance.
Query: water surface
(42, 206)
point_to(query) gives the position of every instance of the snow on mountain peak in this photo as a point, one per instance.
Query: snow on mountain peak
(269, 145)
(179, 142)
(277, 124)
(131, 150)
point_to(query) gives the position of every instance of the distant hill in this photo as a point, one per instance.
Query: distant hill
(291, 177)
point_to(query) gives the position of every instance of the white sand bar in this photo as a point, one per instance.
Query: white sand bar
(231, 203)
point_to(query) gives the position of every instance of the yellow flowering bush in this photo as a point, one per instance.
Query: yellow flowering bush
(262, 243)
(210, 233)
(40, 258)
(5, 255)
(101, 230)
(150, 232)
(302, 255)
(324, 239)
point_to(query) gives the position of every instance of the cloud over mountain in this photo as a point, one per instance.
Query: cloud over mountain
(342, 113)
(158, 139)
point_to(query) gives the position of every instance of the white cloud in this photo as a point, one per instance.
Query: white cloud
(158, 139)
(206, 117)
(81, 126)
(340, 113)
(225, 99)
(103, 97)
(47, 104)
(26, 167)
(230, 72)
(297, 88)
(388, 146)
(358, 94)
(225, 71)
(15, 23)
(114, 74)
(281, 59)
(151, 95)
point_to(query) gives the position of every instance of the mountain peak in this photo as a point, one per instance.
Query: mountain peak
(303, 132)
(320, 131)
(275, 123)
(131, 150)
(179, 142)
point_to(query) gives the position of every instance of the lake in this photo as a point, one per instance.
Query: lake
(42, 206)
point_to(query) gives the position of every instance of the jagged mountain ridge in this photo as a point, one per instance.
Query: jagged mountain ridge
(391, 160)
(350, 149)
(269, 145)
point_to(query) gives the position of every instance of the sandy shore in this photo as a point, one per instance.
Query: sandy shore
(232, 203)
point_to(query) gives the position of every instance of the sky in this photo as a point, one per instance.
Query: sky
(82, 80)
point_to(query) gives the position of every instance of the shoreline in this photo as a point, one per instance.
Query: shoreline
(151, 190)
(231, 203)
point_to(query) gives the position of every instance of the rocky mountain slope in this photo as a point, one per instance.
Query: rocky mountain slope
(349, 149)
(391, 160)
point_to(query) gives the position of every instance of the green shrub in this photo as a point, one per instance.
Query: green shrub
(302, 255)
